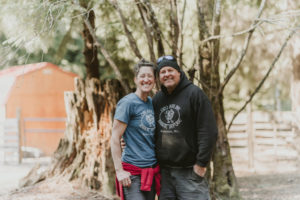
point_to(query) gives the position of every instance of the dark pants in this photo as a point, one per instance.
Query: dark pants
(182, 184)
(134, 192)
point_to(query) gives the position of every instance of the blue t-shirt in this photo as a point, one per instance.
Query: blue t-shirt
(139, 134)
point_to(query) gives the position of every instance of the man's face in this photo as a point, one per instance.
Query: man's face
(169, 77)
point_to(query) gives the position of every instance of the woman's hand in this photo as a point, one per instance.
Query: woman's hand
(124, 177)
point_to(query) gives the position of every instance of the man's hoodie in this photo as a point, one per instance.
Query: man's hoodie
(186, 129)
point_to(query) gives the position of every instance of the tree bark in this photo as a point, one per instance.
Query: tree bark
(157, 33)
(147, 28)
(223, 182)
(296, 85)
(90, 50)
(174, 24)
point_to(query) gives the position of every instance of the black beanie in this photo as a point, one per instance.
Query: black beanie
(170, 63)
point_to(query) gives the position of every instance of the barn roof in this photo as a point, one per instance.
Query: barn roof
(9, 75)
(21, 70)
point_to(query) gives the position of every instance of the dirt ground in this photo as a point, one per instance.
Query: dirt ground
(282, 186)
(277, 183)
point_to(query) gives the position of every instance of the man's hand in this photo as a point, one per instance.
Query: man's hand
(123, 144)
(199, 170)
(124, 177)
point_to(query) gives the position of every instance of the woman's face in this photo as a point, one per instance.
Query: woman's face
(145, 79)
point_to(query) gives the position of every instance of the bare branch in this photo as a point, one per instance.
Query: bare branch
(251, 28)
(180, 54)
(244, 50)
(154, 24)
(274, 19)
(264, 79)
(106, 56)
(174, 24)
(143, 12)
(131, 40)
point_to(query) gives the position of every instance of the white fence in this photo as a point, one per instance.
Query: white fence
(11, 149)
(264, 137)
(10, 140)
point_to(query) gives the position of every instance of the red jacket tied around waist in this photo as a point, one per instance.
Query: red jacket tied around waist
(147, 175)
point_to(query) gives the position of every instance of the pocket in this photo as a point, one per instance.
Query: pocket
(175, 147)
(195, 176)
(134, 177)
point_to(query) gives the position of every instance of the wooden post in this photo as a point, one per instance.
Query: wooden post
(19, 135)
(250, 137)
(275, 145)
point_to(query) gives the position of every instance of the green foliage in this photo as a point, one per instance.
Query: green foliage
(40, 29)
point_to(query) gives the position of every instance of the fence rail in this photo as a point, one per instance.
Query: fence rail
(10, 138)
(10, 146)
(262, 136)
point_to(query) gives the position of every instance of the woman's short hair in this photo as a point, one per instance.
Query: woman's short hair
(143, 63)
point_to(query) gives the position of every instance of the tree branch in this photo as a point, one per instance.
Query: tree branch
(106, 56)
(215, 57)
(264, 79)
(174, 27)
(244, 50)
(202, 26)
(251, 28)
(154, 24)
(131, 40)
(143, 12)
(180, 54)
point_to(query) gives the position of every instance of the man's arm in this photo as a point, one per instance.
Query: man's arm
(117, 132)
(206, 133)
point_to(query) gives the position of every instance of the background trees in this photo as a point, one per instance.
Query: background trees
(226, 48)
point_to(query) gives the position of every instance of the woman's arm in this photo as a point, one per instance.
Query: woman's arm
(117, 133)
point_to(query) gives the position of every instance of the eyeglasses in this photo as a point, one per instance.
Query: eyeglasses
(165, 58)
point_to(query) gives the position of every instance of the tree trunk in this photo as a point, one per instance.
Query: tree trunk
(296, 85)
(84, 152)
(90, 50)
(223, 183)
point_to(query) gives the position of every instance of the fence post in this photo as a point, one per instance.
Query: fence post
(250, 137)
(275, 145)
(19, 135)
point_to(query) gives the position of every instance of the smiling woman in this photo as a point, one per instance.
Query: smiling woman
(134, 121)
(144, 81)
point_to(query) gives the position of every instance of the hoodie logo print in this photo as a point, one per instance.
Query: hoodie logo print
(169, 116)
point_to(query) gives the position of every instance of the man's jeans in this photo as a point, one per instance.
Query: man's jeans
(134, 192)
(182, 184)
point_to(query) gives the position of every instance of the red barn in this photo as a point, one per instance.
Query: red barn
(37, 90)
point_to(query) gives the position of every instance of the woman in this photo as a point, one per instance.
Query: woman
(137, 171)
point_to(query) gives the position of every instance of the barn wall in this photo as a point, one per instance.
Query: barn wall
(40, 94)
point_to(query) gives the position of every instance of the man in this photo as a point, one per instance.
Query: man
(186, 132)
